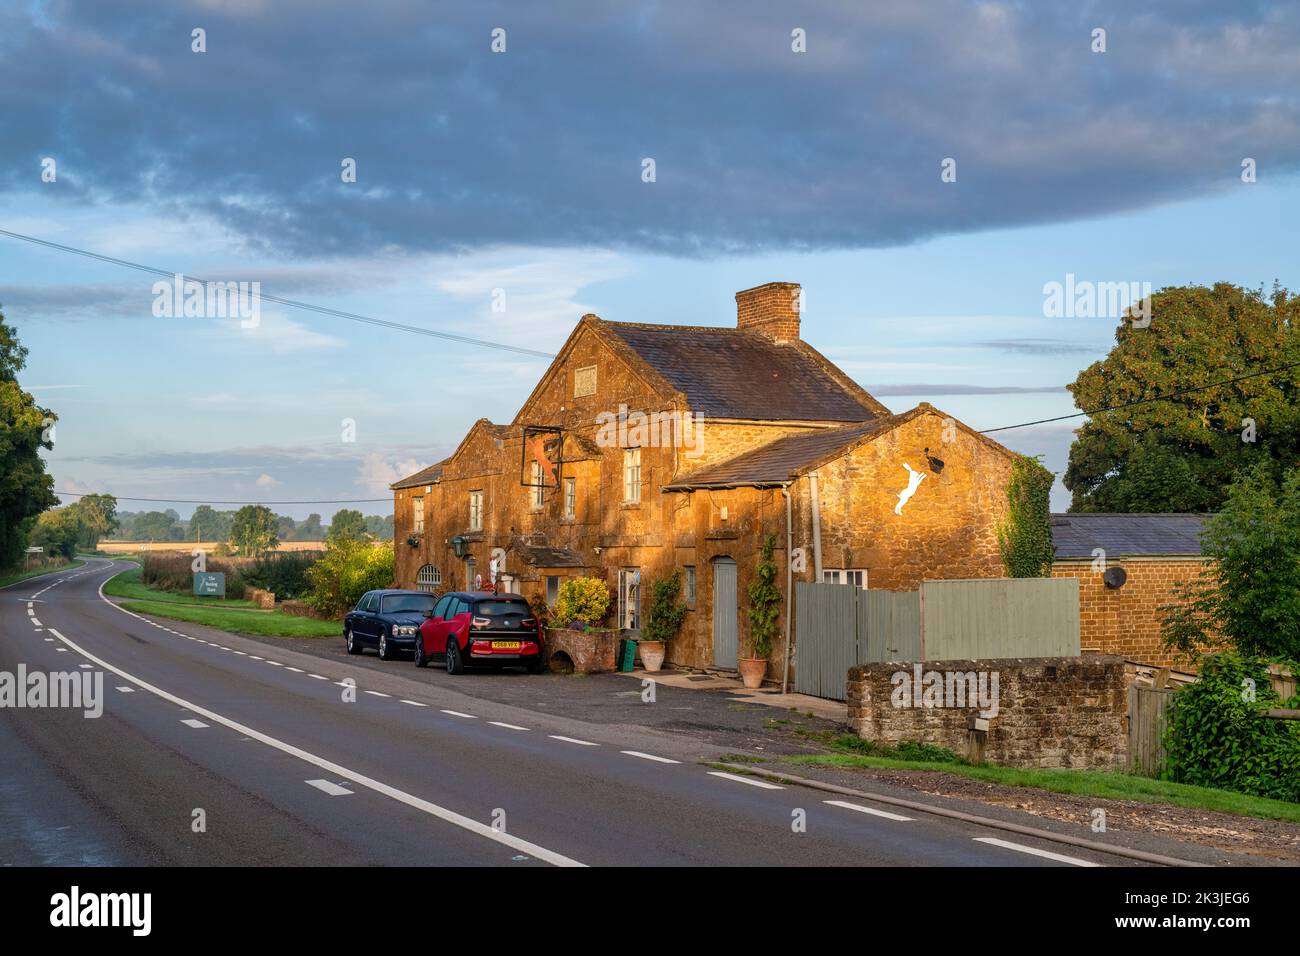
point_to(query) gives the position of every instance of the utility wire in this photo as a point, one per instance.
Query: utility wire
(210, 501)
(280, 300)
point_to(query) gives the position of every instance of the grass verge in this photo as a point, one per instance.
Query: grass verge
(233, 615)
(238, 620)
(25, 575)
(1087, 783)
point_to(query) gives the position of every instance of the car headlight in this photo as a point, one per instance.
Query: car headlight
(405, 630)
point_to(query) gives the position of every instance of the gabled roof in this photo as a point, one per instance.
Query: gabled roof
(428, 476)
(789, 457)
(778, 461)
(727, 373)
(1127, 535)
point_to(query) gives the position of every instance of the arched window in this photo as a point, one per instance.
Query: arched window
(428, 578)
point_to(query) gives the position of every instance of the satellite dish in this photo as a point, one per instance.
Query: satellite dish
(1115, 577)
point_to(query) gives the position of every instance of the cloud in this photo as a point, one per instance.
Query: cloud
(1029, 346)
(377, 472)
(265, 481)
(757, 148)
(953, 388)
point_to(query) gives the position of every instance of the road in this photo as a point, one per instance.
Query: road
(283, 763)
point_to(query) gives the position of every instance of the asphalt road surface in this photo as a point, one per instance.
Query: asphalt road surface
(214, 749)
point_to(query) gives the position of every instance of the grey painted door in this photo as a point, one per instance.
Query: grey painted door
(725, 611)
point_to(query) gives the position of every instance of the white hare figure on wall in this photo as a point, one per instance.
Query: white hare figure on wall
(914, 479)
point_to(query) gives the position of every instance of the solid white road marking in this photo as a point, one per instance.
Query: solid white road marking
(442, 813)
(637, 753)
(572, 740)
(457, 713)
(413, 703)
(1033, 851)
(191, 722)
(749, 780)
(501, 723)
(861, 809)
(333, 789)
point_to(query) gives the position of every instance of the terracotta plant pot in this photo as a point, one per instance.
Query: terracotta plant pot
(652, 654)
(752, 671)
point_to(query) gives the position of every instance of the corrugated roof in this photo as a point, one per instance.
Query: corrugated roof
(727, 373)
(428, 476)
(779, 461)
(1127, 535)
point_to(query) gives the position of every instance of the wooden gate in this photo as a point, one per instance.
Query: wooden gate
(840, 626)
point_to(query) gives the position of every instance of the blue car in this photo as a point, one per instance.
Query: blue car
(387, 621)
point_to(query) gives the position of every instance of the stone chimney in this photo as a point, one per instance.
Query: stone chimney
(771, 309)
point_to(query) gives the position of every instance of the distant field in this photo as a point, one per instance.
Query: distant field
(139, 547)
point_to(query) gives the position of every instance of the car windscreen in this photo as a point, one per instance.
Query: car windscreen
(412, 603)
(497, 610)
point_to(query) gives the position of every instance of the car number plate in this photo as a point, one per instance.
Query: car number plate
(506, 645)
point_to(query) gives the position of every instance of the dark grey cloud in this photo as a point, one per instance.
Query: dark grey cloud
(960, 389)
(756, 147)
(1033, 346)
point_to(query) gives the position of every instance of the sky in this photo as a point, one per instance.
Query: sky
(519, 178)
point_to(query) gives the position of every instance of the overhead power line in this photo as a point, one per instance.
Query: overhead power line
(210, 501)
(1145, 401)
(280, 300)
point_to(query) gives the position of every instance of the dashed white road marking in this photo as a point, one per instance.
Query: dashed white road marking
(375, 693)
(241, 653)
(749, 780)
(196, 724)
(502, 723)
(861, 809)
(275, 663)
(425, 806)
(127, 690)
(643, 756)
(296, 670)
(1034, 851)
(457, 713)
(61, 650)
(317, 676)
(333, 789)
(37, 623)
(49, 640)
(413, 703)
(86, 667)
(573, 740)
(256, 658)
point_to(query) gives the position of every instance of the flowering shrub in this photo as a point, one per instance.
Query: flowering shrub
(581, 599)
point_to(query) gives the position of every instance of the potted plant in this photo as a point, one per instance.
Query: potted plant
(663, 621)
(573, 629)
(764, 614)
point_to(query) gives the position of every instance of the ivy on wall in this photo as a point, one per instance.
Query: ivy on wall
(1025, 535)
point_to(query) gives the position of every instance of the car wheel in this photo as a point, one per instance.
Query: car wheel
(454, 663)
(354, 646)
(384, 653)
(420, 659)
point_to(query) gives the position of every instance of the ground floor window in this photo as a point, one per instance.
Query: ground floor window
(855, 576)
(470, 584)
(552, 589)
(688, 585)
(428, 578)
(629, 599)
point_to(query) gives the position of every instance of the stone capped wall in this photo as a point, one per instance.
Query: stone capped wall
(1066, 712)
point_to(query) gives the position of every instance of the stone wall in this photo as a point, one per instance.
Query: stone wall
(1126, 620)
(1051, 711)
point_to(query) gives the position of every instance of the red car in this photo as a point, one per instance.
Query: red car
(473, 628)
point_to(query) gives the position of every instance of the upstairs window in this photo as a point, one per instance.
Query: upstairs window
(570, 497)
(631, 474)
(476, 511)
(535, 498)
(417, 506)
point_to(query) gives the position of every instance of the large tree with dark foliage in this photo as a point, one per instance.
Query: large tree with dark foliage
(1182, 454)
(25, 488)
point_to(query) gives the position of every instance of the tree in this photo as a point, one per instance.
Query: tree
(98, 515)
(348, 569)
(310, 529)
(208, 524)
(157, 526)
(253, 530)
(1183, 453)
(285, 527)
(347, 525)
(26, 489)
(58, 531)
(379, 527)
(1250, 596)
